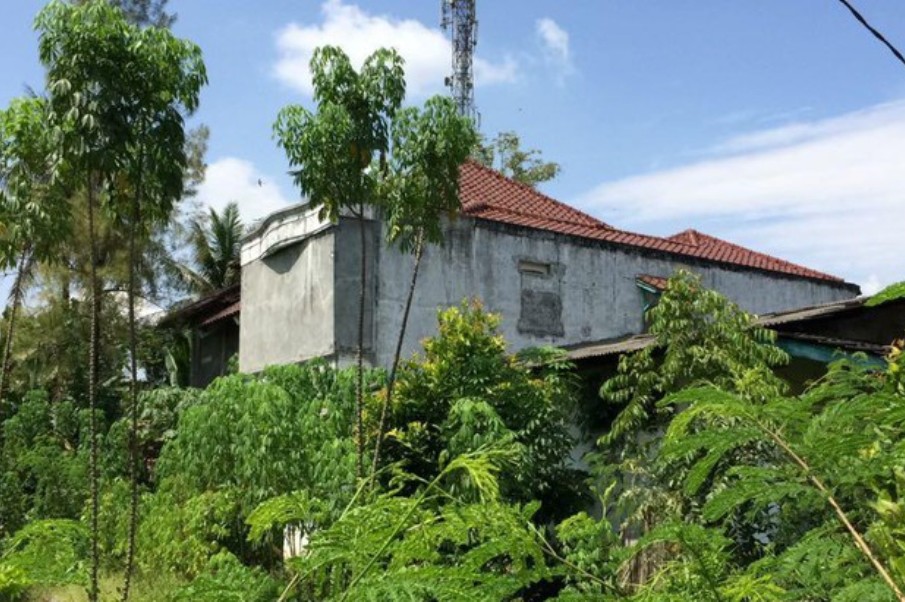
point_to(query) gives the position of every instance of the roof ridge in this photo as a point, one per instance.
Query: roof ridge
(482, 205)
(531, 190)
(767, 256)
(487, 194)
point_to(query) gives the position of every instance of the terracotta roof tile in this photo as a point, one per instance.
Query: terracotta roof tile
(489, 195)
(657, 282)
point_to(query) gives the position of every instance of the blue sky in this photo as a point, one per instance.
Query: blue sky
(777, 124)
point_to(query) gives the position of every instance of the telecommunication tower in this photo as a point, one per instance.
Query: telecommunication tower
(459, 18)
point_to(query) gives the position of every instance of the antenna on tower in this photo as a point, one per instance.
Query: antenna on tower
(459, 18)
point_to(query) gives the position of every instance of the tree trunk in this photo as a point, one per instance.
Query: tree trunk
(133, 387)
(391, 381)
(92, 395)
(359, 387)
(10, 329)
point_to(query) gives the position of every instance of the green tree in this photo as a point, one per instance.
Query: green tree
(505, 154)
(107, 96)
(699, 336)
(146, 12)
(33, 211)
(466, 392)
(429, 146)
(339, 153)
(215, 243)
(166, 78)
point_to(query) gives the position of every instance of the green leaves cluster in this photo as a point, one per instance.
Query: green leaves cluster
(289, 429)
(466, 392)
(332, 151)
(700, 337)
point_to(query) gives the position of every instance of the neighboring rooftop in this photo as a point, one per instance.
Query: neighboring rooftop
(849, 324)
(489, 195)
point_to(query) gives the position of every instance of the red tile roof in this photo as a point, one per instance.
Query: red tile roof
(489, 195)
(657, 282)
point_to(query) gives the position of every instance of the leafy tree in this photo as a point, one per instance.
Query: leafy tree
(339, 153)
(167, 76)
(215, 245)
(505, 154)
(467, 392)
(43, 463)
(116, 95)
(429, 147)
(806, 470)
(146, 12)
(700, 336)
(32, 207)
(431, 545)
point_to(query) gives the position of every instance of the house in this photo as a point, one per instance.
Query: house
(556, 275)
(212, 323)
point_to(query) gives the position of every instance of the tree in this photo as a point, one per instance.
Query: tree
(215, 246)
(465, 392)
(429, 147)
(504, 153)
(702, 336)
(115, 97)
(144, 12)
(167, 76)
(339, 153)
(32, 206)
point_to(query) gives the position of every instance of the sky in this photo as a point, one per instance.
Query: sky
(776, 124)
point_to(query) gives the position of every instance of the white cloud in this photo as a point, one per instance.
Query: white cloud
(427, 51)
(555, 42)
(232, 179)
(826, 193)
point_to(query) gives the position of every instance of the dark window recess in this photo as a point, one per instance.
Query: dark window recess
(541, 300)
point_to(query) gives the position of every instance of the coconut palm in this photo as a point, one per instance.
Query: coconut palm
(215, 242)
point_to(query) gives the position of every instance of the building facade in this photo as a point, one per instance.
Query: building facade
(557, 276)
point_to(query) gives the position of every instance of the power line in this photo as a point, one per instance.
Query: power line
(876, 33)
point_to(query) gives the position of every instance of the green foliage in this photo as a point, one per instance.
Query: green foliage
(330, 151)
(226, 579)
(180, 532)
(33, 212)
(429, 146)
(700, 337)
(466, 392)
(158, 411)
(505, 154)
(45, 552)
(42, 471)
(215, 244)
(591, 547)
(844, 435)
(287, 430)
(890, 293)
(430, 546)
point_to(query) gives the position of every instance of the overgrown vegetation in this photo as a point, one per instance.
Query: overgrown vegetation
(713, 482)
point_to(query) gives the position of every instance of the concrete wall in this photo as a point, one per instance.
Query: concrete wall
(347, 283)
(288, 293)
(552, 289)
(300, 288)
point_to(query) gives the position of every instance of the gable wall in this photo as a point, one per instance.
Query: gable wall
(590, 288)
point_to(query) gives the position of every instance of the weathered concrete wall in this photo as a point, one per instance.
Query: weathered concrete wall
(300, 288)
(288, 293)
(551, 289)
(347, 284)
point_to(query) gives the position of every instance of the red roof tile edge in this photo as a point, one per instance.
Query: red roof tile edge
(489, 195)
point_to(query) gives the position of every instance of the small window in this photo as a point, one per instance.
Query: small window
(534, 267)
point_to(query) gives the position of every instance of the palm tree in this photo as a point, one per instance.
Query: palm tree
(215, 242)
